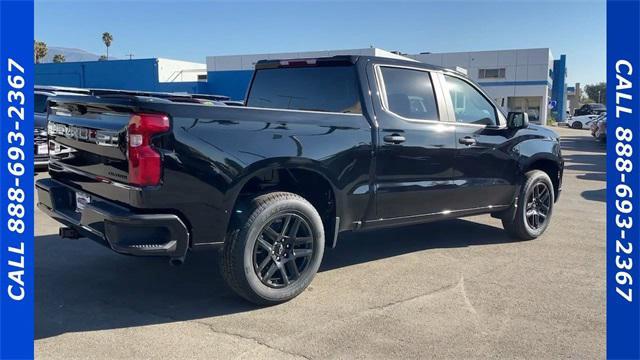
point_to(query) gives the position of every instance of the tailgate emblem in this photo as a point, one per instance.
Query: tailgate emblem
(98, 137)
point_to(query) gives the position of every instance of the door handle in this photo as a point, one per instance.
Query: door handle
(467, 140)
(394, 139)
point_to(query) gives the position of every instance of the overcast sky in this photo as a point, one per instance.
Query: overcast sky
(191, 30)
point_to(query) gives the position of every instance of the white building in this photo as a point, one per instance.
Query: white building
(178, 71)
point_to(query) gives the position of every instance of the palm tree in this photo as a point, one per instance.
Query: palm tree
(59, 58)
(39, 50)
(107, 39)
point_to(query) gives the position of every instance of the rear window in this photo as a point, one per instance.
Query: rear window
(40, 103)
(323, 88)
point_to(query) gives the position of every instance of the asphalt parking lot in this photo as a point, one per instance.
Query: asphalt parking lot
(456, 289)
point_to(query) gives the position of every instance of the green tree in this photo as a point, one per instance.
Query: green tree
(59, 58)
(39, 50)
(102, 58)
(107, 39)
(597, 92)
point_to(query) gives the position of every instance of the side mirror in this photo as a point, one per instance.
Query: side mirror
(517, 120)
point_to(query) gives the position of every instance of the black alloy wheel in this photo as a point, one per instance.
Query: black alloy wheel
(538, 206)
(283, 250)
(530, 215)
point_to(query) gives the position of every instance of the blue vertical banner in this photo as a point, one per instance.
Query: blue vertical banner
(16, 185)
(623, 180)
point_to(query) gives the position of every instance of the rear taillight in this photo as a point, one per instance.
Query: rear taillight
(145, 162)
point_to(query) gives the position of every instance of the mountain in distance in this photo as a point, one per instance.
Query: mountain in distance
(71, 54)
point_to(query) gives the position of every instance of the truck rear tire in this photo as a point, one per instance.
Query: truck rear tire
(534, 207)
(275, 251)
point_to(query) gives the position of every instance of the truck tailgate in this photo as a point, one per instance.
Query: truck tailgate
(97, 142)
(102, 159)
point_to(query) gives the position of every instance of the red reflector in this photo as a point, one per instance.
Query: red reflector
(145, 162)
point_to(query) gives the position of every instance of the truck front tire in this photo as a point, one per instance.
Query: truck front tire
(275, 250)
(534, 207)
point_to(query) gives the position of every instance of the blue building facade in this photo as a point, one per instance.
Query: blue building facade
(232, 83)
(138, 74)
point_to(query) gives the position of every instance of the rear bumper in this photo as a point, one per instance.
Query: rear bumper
(118, 227)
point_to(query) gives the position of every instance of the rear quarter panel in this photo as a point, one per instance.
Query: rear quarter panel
(218, 152)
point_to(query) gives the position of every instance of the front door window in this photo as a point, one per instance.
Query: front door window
(469, 104)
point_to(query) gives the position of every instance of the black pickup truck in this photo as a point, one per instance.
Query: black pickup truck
(322, 146)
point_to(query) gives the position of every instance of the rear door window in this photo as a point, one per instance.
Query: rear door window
(409, 93)
(321, 88)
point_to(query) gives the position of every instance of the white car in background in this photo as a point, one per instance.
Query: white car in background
(581, 122)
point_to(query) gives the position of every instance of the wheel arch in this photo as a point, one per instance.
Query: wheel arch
(304, 177)
(551, 166)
